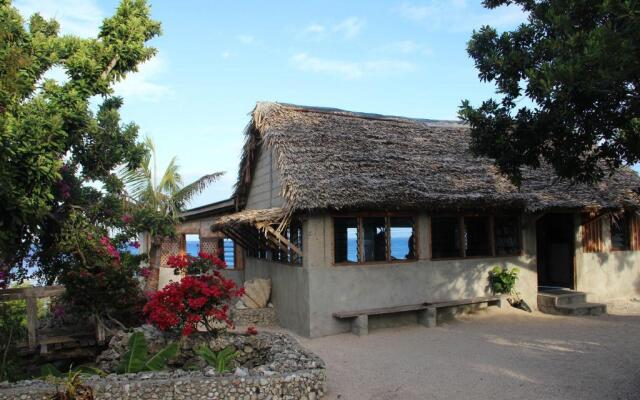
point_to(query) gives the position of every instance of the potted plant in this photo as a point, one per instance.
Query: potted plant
(503, 281)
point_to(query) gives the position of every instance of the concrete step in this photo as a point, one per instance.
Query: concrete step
(576, 309)
(568, 302)
(550, 299)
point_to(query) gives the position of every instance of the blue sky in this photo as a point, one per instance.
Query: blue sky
(217, 58)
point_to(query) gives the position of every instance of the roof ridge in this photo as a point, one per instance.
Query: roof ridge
(363, 115)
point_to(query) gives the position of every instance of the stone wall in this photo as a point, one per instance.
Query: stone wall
(181, 385)
(260, 317)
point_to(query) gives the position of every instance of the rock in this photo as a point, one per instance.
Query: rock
(241, 372)
(240, 305)
(256, 293)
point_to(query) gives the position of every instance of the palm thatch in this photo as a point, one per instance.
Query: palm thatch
(335, 159)
(268, 216)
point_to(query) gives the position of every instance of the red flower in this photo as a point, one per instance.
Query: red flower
(127, 218)
(183, 305)
(251, 330)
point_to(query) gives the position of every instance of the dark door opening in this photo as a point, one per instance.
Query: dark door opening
(555, 250)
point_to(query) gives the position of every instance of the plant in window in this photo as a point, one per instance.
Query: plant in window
(503, 281)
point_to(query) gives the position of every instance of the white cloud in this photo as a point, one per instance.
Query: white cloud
(456, 16)
(315, 28)
(77, 17)
(247, 39)
(143, 85)
(225, 55)
(349, 69)
(405, 47)
(350, 27)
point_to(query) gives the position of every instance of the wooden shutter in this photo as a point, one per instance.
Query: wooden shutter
(592, 236)
(635, 232)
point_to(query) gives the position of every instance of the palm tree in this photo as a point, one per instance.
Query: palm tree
(165, 196)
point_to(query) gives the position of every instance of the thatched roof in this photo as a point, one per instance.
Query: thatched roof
(268, 216)
(335, 159)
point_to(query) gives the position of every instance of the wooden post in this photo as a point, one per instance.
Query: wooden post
(32, 321)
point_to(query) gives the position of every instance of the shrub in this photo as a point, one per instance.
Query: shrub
(99, 280)
(503, 280)
(219, 360)
(194, 300)
(137, 359)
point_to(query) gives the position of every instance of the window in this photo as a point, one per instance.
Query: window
(620, 232)
(192, 244)
(401, 238)
(445, 237)
(228, 252)
(481, 236)
(507, 236)
(345, 239)
(477, 237)
(373, 239)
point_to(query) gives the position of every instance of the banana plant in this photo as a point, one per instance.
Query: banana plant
(136, 359)
(69, 386)
(219, 360)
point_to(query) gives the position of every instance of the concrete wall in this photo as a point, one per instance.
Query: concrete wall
(289, 291)
(264, 191)
(608, 275)
(343, 288)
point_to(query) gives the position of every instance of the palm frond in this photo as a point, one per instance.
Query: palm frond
(187, 193)
(171, 180)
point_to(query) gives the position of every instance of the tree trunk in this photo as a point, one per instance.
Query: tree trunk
(154, 266)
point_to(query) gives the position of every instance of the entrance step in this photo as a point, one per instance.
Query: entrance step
(568, 302)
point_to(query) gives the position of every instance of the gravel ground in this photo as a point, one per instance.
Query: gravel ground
(494, 354)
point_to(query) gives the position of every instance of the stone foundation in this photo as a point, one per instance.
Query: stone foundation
(260, 317)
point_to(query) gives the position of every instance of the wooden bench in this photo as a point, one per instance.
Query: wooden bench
(427, 312)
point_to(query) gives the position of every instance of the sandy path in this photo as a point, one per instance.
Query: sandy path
(496, 354)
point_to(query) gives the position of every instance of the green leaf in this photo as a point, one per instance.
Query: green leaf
(50, 370)
(159, 361)
(135, 358)
(207, 355)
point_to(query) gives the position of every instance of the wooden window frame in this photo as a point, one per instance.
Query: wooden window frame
(492, 236)
(360, 243)
(628, 217)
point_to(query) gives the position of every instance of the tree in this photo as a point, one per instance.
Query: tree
(158, 202)
(576, 62)
(51, 142)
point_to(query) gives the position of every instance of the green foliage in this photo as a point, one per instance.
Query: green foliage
(69, 385)
(219, 360)
(52, 145)
(503, 280)
(136, 359)
(99, 281)
(12, 329)
(575, 63)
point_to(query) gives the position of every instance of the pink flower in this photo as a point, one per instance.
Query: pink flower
(127, 218)
(145, 272)
(135, 244)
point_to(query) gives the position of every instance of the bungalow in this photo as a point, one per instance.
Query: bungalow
(347, 211)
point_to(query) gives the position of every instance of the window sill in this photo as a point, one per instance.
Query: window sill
(372, 263)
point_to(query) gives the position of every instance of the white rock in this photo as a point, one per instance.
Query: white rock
(257, 293)
(240, 305)
(241, 372)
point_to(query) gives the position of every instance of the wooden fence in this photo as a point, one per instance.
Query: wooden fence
(31, 296)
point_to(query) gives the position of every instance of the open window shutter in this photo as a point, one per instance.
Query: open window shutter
(592, 236)
(635, 232)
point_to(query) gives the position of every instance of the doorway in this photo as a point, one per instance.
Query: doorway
(555, 235)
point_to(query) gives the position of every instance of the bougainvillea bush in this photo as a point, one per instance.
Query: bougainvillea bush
(202, 297)
(99, 280)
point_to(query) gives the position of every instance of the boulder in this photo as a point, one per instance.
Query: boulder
(256, 293)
